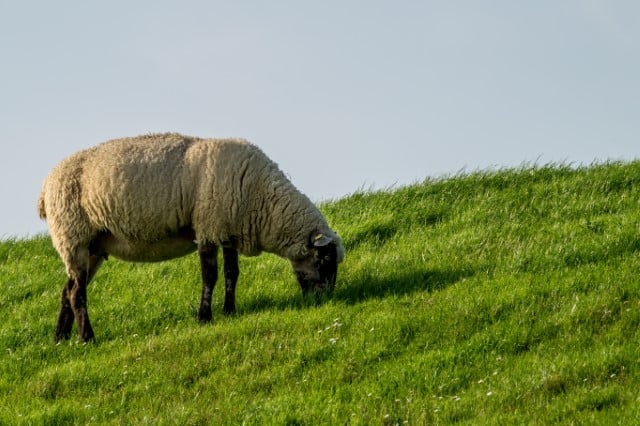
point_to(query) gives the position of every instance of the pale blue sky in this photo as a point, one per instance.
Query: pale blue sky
(342, 94)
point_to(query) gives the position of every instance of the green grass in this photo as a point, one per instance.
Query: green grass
(502, 297)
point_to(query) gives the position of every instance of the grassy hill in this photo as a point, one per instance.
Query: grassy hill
(498, 297)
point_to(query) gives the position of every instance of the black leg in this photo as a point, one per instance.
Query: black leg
(78, 299)
(209, 269)
(66, 317)
(231, 272)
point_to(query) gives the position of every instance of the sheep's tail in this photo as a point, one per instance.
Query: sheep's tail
(41, 210)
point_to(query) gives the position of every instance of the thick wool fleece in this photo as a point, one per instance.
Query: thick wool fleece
(148, 188)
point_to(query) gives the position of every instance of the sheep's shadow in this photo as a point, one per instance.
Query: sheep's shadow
(400, 284)
(365, 288)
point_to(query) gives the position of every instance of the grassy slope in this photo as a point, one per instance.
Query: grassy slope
(509, 296)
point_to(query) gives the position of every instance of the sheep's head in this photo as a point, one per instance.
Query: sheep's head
(316, 272)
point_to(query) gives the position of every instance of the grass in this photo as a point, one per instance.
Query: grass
(498, 297)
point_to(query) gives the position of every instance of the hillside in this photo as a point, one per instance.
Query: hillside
(509, 296)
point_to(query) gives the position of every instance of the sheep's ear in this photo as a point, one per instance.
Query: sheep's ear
(320, 240)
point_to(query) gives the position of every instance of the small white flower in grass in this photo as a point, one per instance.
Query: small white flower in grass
(489, 393)
(456, 398)
(333, 340)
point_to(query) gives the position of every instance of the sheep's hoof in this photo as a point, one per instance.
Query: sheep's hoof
(87, 336)
(64, 326)
(204, 317)
(59, 337)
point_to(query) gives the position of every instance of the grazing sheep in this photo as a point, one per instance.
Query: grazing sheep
(162, 196)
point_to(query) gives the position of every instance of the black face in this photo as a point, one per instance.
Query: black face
(317, 272)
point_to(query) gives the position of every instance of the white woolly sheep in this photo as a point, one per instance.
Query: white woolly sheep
(161, 196)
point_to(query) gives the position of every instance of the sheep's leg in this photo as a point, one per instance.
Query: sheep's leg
(94, 263)
(78, 299)
(209, 269)
(231, 272)
(70, 301)
(66, 317)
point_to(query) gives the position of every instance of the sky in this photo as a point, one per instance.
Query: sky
(343, 95)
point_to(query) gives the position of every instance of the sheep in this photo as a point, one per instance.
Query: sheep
(161, 196)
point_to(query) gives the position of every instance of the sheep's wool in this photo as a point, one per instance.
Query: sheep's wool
(146, 188)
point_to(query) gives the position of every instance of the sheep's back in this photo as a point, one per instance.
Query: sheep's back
(139, 188)
(147, 188)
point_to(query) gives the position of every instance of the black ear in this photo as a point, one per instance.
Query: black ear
(320, 240)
